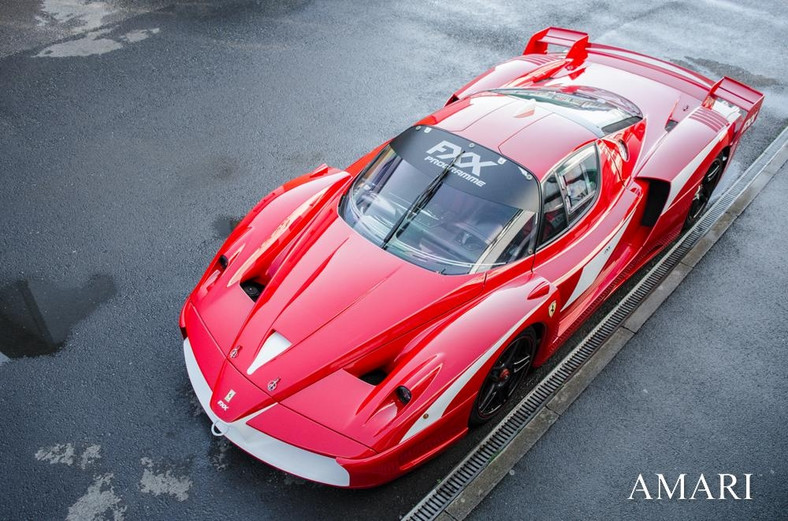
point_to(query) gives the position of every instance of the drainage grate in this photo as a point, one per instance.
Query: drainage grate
(441, 496)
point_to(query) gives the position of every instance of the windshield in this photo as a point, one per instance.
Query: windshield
(444, 203)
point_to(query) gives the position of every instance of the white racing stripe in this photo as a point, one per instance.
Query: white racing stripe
(274, 345)
(281, 455)
(681, 179)
(592, 270)
(438, 408)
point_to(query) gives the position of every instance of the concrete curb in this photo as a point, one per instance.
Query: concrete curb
(470, 497)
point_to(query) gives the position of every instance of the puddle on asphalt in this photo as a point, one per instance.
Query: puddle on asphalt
(77, 15)
(90, 20)
(96, 42)
(36, 316)
(224, 225)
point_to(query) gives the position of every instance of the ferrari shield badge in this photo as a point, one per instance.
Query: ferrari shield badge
(551, 309)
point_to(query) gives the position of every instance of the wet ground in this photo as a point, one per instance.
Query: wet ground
(134, 134)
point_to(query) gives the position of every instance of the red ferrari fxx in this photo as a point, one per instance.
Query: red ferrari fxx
(358, 321)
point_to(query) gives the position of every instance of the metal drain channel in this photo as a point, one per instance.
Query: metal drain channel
(436, 501)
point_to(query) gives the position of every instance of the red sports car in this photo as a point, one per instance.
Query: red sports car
(358, 321)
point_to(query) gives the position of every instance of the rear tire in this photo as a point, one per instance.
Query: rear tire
(703, 193)
(504, 377)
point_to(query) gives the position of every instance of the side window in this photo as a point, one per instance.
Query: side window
(554, 212)
(569, 191)
(579, 179)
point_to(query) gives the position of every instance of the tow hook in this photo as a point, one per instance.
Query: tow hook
(219, 428)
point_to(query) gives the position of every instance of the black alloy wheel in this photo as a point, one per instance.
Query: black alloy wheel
(505, 375)
(703, 194)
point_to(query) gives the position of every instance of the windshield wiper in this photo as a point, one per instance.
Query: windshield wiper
(419, 203)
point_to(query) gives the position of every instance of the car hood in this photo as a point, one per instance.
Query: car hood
(336, 298)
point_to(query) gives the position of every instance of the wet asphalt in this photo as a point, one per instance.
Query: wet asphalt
(131, 141)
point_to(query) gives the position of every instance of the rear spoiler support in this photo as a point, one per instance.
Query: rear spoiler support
(575, 41)
(738, 94)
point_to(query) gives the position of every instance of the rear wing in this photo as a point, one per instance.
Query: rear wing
(575, 42)
(733, 94)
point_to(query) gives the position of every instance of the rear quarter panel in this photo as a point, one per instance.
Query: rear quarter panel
(681, 159)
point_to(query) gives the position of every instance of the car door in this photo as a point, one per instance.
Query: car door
(586, 213)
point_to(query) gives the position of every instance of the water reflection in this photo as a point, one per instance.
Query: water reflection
(36, 316)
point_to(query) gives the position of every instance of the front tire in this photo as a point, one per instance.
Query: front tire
(504, 377)
(704, 191)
